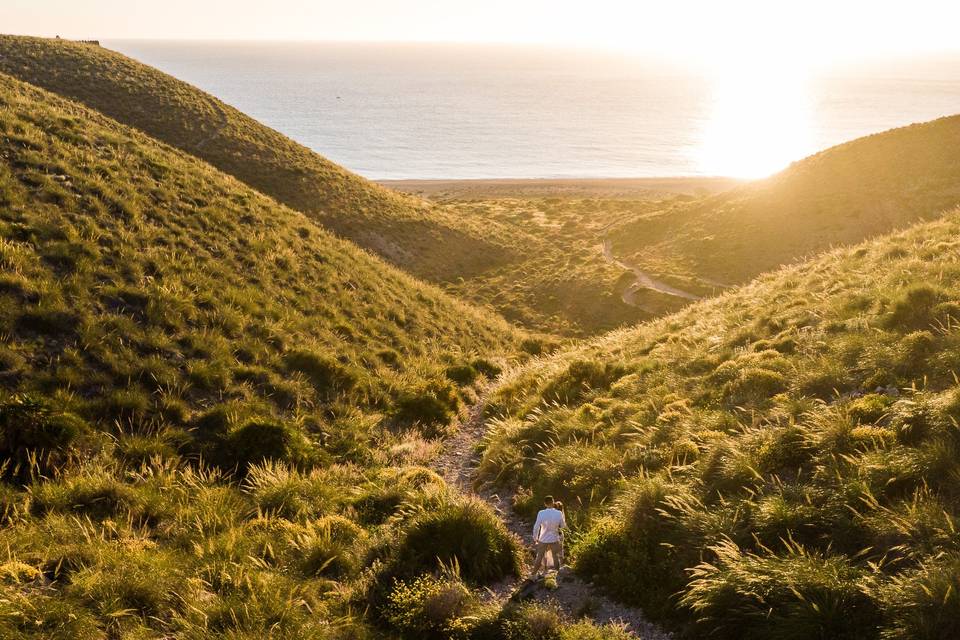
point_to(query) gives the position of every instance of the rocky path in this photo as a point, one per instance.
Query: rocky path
(457, 463)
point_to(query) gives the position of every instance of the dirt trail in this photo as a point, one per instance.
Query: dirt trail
(642, 280)
(458, 464)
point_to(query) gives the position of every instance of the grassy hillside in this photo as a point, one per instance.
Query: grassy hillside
(782, 461)
(402, 229)
(843, 195)
(536, 261)
(211, 410)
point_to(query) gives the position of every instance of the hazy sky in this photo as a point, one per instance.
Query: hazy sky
(703, 29)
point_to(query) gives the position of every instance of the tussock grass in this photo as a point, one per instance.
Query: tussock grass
(776, 462)
(405, 231)
(843, 195)
(200, 436)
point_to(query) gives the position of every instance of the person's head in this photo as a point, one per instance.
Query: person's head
(548, 502)
(558, 505)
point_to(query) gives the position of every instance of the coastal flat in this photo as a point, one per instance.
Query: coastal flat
(562, 187)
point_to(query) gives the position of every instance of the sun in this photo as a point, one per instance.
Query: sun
(759, 121)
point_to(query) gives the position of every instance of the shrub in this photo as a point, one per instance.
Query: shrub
(462, 374)
(801, 595)
(581, 377)
(913, 309)
(870, 408)
(33, 432)
(125, 406)
(586, 631)
(259, 441)
(754, 385)
(641, 555)
(132, 583)
(430, 408)
(136, 449)
(328, 547)
(924, 603)
(486, 368)
(430, 608)
(465, 533)
(97, 495)
(328, 377)
(380, 501)
(287, 493)
(50, 617)
(533, 622)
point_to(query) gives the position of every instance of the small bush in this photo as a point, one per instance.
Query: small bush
(328, 377)
(462, 374)
(642, 553)
(124, 406)
(913, 309)
(802, 595)
(328, 547)
(465, 533)
(924, 603)
(581, 377)
(32, 432)
(136, 450)
(97, 495)
(486, 368)
(533, 622)
(287, 493)
(430, 608)
(430, 408)
(870, 408)
(754, 385)
(256, 442)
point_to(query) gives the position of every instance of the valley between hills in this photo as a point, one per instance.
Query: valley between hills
(245, 393)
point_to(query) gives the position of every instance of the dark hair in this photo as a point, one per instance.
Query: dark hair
(558, 505)
(548, 500)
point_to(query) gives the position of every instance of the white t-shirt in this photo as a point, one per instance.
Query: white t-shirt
(548, 525)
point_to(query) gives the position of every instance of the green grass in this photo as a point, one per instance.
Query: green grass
(537, 262)
(200, 434)
(215, 415)
(780, 461)
(404, 230)
(845, 194)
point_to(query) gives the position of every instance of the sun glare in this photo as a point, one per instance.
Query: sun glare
(760, 121)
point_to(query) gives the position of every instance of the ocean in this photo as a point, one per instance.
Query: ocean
(432, 111)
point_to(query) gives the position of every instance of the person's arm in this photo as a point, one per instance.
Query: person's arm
(536, 526)
(563, 520)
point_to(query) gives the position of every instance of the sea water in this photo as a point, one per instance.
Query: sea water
(421, 111)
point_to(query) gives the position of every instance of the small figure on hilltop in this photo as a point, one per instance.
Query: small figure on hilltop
(547, 536)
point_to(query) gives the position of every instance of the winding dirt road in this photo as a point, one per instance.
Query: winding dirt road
(458, 463)
(642, 280)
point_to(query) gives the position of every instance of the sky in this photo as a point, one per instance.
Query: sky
(718, 30)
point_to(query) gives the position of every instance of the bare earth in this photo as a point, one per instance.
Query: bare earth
(457, 464)
(549, 187)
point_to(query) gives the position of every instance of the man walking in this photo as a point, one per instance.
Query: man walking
(546, 535)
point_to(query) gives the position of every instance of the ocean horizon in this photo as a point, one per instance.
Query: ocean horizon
(439, 111)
